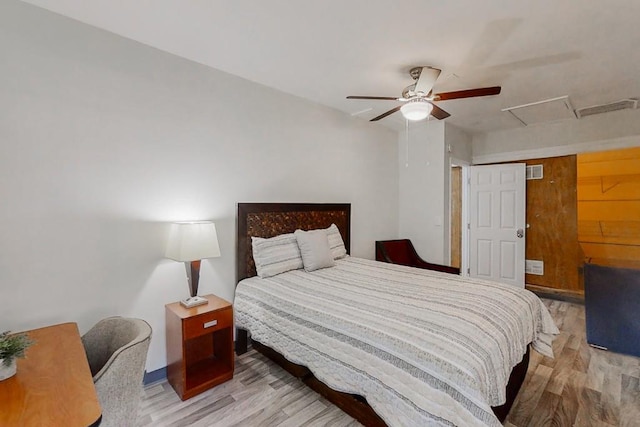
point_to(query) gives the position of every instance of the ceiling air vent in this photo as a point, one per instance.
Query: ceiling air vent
(623, 104)
(534, 172)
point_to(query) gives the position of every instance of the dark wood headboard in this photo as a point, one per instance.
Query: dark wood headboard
(271, 219)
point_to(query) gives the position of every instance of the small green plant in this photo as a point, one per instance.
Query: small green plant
(13, 346)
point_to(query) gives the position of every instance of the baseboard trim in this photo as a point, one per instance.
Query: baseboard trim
(557, 294)
(154, 376)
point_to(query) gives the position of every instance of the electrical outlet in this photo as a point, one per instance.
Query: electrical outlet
(534, 267)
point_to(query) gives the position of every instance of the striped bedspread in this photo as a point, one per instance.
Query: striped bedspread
(424, 348)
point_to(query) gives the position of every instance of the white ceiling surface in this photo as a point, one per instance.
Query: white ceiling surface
(325, 50)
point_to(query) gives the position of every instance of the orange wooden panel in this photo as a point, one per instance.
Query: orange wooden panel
(620, 263)
(624, 210)
(589, 228)
(621, 252)
(617, 187)
(621, 229)
(611, 167)
(629, 241)
(623, 232)
(600, 156)
(608, 189)
(53, 385)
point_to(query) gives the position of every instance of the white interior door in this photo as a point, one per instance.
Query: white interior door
(497, 222)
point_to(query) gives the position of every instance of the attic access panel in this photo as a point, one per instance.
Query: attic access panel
(548, 110)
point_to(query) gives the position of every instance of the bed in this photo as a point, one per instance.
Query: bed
(310, 323)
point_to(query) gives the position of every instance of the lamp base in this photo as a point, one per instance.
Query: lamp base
(193, 302)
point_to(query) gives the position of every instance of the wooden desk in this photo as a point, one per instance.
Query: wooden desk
(53, 385)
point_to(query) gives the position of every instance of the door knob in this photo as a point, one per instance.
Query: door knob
(520, 233)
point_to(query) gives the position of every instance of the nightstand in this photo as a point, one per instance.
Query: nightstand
(199, 346)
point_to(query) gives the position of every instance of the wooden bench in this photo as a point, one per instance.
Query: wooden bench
(402, 252)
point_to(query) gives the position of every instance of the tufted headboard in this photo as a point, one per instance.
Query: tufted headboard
(271, 219)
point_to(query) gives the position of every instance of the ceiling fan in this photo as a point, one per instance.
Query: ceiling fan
(419, 100)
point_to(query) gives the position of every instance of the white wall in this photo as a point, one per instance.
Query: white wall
(459, 144)
(421, 183)
(620, 129)
(424, 175)
(104, 141)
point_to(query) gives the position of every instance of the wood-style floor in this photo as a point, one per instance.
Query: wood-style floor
(260, 394)
(582, 386)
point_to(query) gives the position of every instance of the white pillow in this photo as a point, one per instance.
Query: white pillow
(276, 255)
(335, 242)
(314, 248)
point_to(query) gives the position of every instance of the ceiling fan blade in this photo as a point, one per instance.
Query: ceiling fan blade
(388, 113)
(439, 113)
(427, 79)
(384, 98)
(469, 93)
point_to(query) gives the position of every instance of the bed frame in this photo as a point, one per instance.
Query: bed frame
(271, 219)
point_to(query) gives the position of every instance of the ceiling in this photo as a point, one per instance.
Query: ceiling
(326, 50)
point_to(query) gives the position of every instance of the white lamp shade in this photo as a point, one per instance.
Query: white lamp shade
(192, 241)
(416, 110)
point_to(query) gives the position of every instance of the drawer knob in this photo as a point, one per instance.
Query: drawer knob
(210, 324)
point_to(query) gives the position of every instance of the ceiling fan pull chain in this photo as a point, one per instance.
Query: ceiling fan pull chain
(426, 160)
(406, 136)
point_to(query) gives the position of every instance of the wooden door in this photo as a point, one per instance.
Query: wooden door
(456, 216)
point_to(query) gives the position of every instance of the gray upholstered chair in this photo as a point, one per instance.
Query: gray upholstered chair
(116, 348)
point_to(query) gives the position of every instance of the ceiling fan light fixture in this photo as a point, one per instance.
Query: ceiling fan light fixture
(418, 109)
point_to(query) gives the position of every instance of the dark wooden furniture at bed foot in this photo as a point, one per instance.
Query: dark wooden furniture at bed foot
(516, 379)
(353, 404)
(402, 252)
(242, 341)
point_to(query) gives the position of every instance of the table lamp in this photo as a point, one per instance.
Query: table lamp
(191, 242)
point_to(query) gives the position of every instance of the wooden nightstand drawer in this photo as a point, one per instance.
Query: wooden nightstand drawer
(207, 323)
